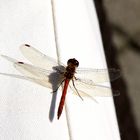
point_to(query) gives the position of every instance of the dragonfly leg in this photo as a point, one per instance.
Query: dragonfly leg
(76, 89)
(75, 78)
(58, 86)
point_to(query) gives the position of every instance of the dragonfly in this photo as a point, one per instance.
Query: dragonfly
(84, 82)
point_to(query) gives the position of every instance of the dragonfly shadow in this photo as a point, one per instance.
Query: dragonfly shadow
(52, 107)
(55, 78)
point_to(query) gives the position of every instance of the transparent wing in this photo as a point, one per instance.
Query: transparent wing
(87, 90)
(98, 75)
(34, 72)
(37, 58)
(35, 80)
(41, 76)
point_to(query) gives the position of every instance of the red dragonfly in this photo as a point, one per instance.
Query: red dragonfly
(46, 72)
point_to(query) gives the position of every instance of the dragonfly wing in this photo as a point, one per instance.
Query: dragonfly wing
(98, 75)
(90, 90)
(9, 58)
(38, 81)
(41, 76)
(45, 78)
(37, 58)
(34, 72)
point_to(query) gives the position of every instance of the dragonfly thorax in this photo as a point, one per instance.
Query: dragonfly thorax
(70, 69)
(69, 72)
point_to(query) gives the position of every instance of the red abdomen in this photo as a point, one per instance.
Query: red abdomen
(62, 101)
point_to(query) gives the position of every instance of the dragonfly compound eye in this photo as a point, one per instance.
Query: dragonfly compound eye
(73, 61)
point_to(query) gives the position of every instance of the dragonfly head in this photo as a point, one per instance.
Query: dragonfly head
(73, 61)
